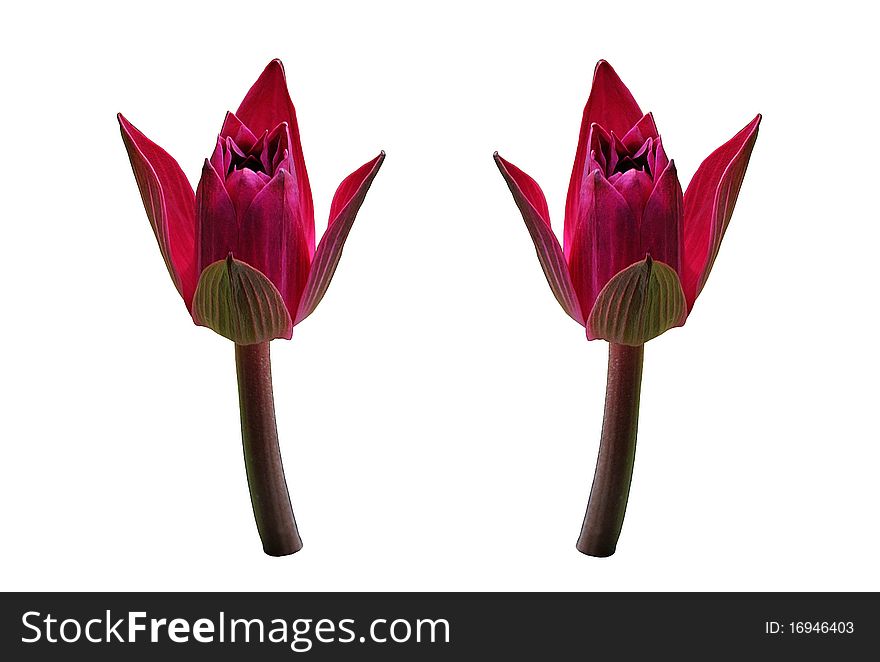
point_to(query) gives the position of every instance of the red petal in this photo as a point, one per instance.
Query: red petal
(170, 204)
(660, 229)
(605, 239)
(645, 128)
(533, 207)
(635, 186)
(610, 105)
(708, 206)
(271, 238)
(242, 187)
(346, 202)
(234, 128)
(217, 225)
(266, 105)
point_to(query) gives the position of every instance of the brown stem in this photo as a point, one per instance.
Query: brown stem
(262, 456)
(617, 452)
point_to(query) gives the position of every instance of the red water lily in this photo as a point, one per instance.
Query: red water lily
(250, 226)
(636, 253)
(626, 220)
(241, 252)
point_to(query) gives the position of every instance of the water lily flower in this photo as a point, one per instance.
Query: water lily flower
(251, 219)
(241, 252)
(636, 253)
(626, 219)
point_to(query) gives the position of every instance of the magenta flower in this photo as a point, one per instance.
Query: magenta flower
(241, 252)
(635, 255)
(250, 225)
(626, 219)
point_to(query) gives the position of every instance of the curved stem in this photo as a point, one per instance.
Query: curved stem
(262, 456)
(617, 452)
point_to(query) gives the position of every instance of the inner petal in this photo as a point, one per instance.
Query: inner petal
(601, 150)
(235, 129)
(242, 186)
(278, 152)
(638, 160)
(645, 128)
(635, 186)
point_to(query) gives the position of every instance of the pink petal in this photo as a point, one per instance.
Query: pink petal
(266, 105)
(271, 238)
(234, 128)
(220, 158)
(533, 207)
(242, 187)
(635, 186)
(601, 150)
(170, 204)
(277, 149)
(708, 206)
(660, 229)
(605, 239)
(645, 128)
(610, 105)
(217, 224)
(657, 160)
(346, 202)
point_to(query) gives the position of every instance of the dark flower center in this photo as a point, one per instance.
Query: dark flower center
(266, 155)
(637, 161)
(247, 162)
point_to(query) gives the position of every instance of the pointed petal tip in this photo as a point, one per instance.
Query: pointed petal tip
(124, 124)
(208, 167)
(275, 68)
(604, 67)
(501, 162)
(753, 125)
(375, 163)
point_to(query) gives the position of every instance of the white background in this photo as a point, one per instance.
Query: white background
(439, 413)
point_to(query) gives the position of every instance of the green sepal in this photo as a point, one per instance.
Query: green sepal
(240, 303)
(638, 304)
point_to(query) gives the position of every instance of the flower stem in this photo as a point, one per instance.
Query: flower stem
(262, 456)
(617, 451)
